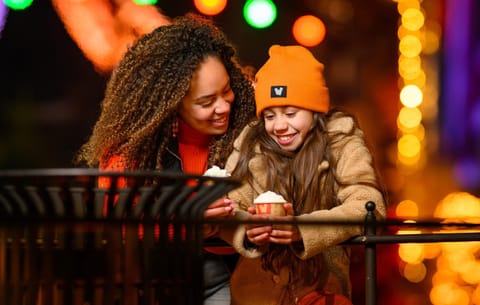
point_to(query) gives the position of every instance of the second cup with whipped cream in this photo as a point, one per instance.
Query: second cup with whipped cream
(270, 203)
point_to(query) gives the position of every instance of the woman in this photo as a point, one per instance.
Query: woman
(176, 102)
(317, 159)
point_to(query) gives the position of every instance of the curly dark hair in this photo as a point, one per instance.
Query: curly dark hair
(144, 91)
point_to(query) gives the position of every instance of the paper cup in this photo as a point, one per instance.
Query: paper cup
(270, 208)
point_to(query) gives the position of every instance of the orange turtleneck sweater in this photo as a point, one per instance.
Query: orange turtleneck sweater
(193, 149)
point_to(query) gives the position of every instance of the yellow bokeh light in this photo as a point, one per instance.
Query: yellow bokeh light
(412, 162)
(458, 205)
(449, 294)
(457, 279)
(458, 260)
(432, 250)
(403, 5)
(458, 266)
(476, 296)
(411, 253)
(410, 46)
(409, 73)
(407, 62)
(471, 275)
(409, 145)
(407, 208)
(413, 19)
(444, 274)
(418, 131)
(411, 96)
(409, 118)
(409, 67)
(408, 231)
(419, 81)
(415, 273)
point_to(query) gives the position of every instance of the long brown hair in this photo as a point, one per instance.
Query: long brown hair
(303, 178)
(144, 91)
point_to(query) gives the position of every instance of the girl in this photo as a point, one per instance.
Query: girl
(316, 159)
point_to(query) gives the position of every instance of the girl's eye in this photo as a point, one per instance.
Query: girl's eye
(268, 117)
(291, 114)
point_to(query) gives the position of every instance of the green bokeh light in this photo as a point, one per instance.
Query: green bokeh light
(145, 2)
(17, 4)
(260, 13)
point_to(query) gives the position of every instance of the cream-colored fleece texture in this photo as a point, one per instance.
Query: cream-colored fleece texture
(251, 284)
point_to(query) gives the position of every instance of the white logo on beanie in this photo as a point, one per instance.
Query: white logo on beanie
(278, 91)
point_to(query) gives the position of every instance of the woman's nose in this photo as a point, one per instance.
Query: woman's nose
(222, 106)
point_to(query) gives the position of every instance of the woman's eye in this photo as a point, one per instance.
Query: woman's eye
(207, 103)
(228, 96)
(227, 90)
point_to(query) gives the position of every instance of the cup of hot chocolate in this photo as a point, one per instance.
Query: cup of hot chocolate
(270, 203)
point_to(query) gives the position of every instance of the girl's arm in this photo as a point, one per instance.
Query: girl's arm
(354, 162)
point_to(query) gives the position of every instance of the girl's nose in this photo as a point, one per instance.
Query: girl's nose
(280, 125)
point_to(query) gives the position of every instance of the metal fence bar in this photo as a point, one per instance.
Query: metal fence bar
(60, 216)
(370, 257)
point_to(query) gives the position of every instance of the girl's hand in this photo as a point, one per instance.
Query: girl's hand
(258, 234)
(287, 233)
(220, 208)
(284, 234)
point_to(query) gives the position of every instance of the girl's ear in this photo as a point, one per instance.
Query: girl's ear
(314, 122)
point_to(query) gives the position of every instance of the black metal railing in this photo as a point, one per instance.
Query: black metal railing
(371, 239)
(63, 240)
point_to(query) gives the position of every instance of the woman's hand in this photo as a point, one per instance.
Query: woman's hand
(221, 208)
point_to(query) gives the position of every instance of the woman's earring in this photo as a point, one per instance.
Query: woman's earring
(174, 127)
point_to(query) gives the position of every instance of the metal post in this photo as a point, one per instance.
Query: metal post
(370, 257)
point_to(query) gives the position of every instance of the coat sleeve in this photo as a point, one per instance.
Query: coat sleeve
(354, 161)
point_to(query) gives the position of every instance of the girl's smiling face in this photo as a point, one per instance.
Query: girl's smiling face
(288, 125)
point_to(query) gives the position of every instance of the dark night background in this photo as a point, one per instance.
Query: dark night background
(50, 96)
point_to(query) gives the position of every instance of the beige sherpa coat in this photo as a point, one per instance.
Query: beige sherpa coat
(250, 284)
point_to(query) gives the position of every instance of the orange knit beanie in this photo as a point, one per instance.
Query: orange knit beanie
(291, 77)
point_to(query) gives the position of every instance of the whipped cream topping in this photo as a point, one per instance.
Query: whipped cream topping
(216, 171)
(269, 196)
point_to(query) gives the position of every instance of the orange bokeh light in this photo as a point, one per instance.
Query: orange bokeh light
(210, 7)
(308, 30)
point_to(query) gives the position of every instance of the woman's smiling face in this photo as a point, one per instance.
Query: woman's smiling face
(206, 107)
